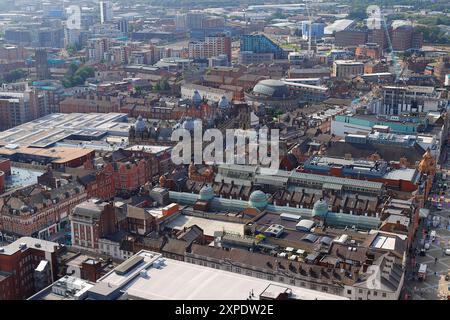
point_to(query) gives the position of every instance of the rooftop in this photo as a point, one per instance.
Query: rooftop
(158, 278)
(28, 242)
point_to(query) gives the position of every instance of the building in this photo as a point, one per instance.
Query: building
(405, 37)
(259, 43)
(405, 179)
(148, 276)
(347, 69)
(249, 57)
(27, 265)
(42, 68)
(350, 38)
(207, 93)
(273, 93)
(338, 25)
(90, 221)
(123, 26)
(194, 20)
(308, 93)
(96, 48)
(212, 46)
(317, 30)
(47, 131)
(106, 11)
(38, 211)
(406, 99)
(90, 104)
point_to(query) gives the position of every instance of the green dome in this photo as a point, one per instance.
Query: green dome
(206, 193)
(320, 208)
(258, 199)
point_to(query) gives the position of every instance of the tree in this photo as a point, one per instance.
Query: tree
(14, 75)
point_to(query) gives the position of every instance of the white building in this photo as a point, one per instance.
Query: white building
(106, 11)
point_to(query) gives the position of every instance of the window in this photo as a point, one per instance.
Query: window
(375, 293)
(349, 291)
(383, 294)
(292, 281)
(325, 289)
(360, 291)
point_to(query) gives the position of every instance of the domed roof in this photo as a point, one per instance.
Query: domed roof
(224, 103)
(320, 208)
(258, 199)
(140, 124)
(271, 88)
(206, 193)
(196, 98)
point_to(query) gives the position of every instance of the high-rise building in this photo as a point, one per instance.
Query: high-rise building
(213, 46)
(96, 48)
(194, 20)
(42, 68)
(106, 12)
(123, 26)
(347, 38)
(259, 43)
(404, 37)
(317, 30)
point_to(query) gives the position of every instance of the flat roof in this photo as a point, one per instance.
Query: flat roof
(33, 243)
(60, 155)
(209, 226)
(168, 279)
(55, 127)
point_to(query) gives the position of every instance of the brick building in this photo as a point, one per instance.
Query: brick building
(89, 104)
(90, 221)
(22, 263)
(39, 211)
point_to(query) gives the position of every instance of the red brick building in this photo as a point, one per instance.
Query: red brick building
(90, 221)
(90, 104)
(37, 211)
(18, 267)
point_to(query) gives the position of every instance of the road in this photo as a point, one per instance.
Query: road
(438, 263)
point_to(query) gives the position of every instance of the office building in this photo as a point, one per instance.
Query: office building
(398, 100)
(347, 69)
(317, 30)
(106, 11)
(42, 68)
(212, 46)
(259, 43)
(350, 38)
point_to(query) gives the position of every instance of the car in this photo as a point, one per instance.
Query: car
(447, 251)
(439, 206)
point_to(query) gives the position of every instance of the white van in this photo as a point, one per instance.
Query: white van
(422, 271)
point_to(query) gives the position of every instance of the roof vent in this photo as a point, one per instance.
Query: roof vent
(22, 246)
(37, 245)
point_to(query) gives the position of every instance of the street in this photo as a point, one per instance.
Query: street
(434, 286)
